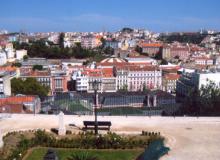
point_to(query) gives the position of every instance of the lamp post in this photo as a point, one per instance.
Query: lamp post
(95, 85)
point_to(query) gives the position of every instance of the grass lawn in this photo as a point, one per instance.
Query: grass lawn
(38, 153)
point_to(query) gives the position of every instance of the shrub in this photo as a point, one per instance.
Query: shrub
(82, 156)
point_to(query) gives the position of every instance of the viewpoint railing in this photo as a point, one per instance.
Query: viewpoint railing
(126, 104)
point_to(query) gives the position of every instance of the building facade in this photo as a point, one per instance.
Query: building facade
(141, 78)
(195, 80)
(5, 84)
(151, 48)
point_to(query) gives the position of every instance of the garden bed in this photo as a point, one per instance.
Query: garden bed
(63, 154)
(121, 145)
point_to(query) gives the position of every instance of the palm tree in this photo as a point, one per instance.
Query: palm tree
(82, 156)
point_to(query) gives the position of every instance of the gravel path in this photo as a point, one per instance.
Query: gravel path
(189, 138)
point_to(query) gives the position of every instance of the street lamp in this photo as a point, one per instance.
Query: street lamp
(95, 86)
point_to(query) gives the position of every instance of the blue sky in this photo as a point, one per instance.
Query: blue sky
(111, 15)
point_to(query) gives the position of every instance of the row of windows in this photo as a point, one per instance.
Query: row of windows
(43, 79)
(146, 74)
(139, 82)
(58, 83)
(139, 79)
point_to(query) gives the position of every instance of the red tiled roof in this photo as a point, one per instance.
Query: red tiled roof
(7, 68)
(11, 108)
(36, 74)
(202, 58)
(107, 72)
(151, 45)
(144, 68)
(16, 100)
(137, 56)
(171, 76)
(93, 72)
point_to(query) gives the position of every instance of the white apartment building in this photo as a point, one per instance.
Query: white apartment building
(88, 42)
(141, 60)
(20, 54)
(122, 77)
(10, 55)
(188, 81)
(3, 58)
(144, 77)
(204, 61)
(5, 84)
(82, 80)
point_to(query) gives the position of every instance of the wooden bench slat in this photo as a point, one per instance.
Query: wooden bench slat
(102, 125)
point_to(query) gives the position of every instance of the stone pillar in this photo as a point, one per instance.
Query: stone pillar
(97, 100)
(155, 101)
(155, 79)
(1, 139)
(148, 101)
(62, 128)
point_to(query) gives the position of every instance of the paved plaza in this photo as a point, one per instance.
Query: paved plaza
(189, 138)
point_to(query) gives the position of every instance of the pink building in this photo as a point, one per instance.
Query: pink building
(55, 80)
(151, 48)
(182, 52)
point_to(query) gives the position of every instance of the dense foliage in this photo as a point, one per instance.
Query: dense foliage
(30, 86)
(46, 49)
(82, 156)
(127, 30)
(195, 38)
(203, 102)
(86, 140)
(37, 67)
(16, 64)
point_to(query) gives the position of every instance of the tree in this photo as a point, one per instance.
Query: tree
(40, 49)
(109, 51)
(61, 40)
(37, 67)
(16, 64)
(127, 30)
(164, 62)
(177, 57)
(103, 41)
(25, 57)
(138, 49)
(144, 87)
(30, 86)
(203, 102)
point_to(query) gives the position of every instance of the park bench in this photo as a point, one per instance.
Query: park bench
(101, 125)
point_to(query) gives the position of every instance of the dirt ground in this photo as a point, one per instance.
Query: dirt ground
(189, 138)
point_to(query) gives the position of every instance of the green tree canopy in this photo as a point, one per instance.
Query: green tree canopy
(30, 86)
(25, 57)
(61, 40)
(37, 67)
(16, 64)
(203, 102)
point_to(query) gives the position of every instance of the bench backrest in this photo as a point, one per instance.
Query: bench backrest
(100, 123)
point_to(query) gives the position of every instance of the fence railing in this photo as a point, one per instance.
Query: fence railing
(109, 104)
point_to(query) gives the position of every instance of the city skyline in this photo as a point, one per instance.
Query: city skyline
(68, 15)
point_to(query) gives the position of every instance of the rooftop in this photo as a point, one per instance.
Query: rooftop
(16, 100)
(36, 73)
(151, 45)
